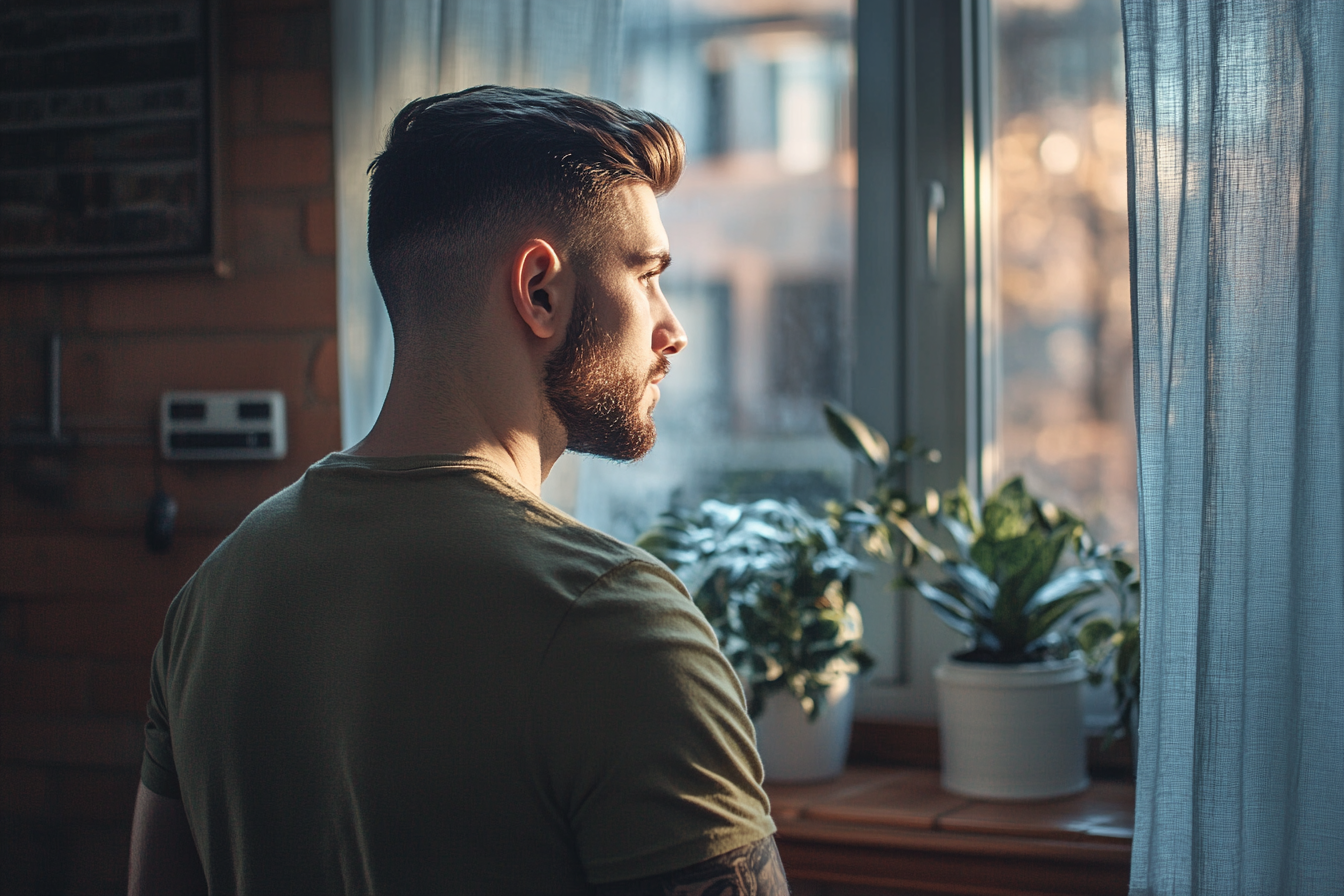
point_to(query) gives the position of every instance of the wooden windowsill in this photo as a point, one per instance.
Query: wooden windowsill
(884, 829)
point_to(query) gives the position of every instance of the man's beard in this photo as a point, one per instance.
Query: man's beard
(596, 398)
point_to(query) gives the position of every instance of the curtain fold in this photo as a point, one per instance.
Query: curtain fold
(1235, 148)
(389, 52)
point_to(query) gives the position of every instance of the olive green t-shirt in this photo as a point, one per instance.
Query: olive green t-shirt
(409, 675)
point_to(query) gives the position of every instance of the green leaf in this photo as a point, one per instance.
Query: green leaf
(1023, 565)
(916, 538)
(960, 532)
(951, 611)
(976, 590)
(959, 505)
(1065, 584)
(862, 441)
(1094, 634)
(1041, 622)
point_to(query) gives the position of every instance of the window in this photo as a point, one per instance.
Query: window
(971, 293)
(762, 235)
(1062, 257)
(944, 90)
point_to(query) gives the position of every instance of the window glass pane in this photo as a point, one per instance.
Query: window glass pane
(761, 231)
(1067, 413)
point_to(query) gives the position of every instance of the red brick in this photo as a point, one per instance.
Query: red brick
(301, 297)
(99, 855)
(120, 687)
(23, 377)
(98, 742)
(282, 160)
(94, 794)
(107, 491)
(319, 227)
(98, 628)
(296, 97)
(140, 369)
(215, 497)
(257, 41)
(23, 790)
(11, 622)
(69, 564)
(163, 301)
(23, 301)
(85, 379)
(267, 235)
(243, 98)
(315, 433)
(109, 499)
(43, 685)
(325, 376)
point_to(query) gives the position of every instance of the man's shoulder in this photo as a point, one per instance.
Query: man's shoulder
(448, 520)
(593, 565)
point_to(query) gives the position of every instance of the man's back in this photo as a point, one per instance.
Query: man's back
(408, 674)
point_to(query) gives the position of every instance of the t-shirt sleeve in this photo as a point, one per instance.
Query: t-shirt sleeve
(157, 769)
(642, 733)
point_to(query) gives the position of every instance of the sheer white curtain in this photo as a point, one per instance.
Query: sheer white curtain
(389, 52)
(1236, 154)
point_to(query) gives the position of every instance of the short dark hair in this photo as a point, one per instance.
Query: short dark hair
(464, 173)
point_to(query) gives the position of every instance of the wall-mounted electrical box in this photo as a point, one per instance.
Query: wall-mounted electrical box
(222, 425)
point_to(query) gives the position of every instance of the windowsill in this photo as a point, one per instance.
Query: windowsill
(896, 828)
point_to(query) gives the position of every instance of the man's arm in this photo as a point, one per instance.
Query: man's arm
(751, 870)
(163, 855)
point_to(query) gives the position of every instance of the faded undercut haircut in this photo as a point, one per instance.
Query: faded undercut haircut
(466, 176)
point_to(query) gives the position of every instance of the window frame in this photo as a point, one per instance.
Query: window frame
(926, 358)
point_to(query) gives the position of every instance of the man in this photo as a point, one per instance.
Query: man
(407, 674)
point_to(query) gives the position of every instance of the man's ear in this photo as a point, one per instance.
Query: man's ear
(537, 286)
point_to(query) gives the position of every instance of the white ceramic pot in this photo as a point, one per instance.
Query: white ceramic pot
(793, 748)
(1012, 732)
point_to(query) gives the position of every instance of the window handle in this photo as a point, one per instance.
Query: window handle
(937, 201)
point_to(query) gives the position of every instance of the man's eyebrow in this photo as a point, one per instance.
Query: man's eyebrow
(640, 259)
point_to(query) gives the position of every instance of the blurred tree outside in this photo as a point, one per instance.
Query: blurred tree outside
(1062, 265)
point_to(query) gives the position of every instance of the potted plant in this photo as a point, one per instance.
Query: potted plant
(1010, 704)
(883, 521)
(773, 582)
(1110, 645)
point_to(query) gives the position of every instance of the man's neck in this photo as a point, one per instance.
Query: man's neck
(444, 414)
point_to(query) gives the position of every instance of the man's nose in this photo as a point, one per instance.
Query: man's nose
(669, 338)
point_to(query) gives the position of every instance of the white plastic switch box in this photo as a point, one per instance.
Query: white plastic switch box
(223, 425)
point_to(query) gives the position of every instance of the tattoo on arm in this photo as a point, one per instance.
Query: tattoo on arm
(751, 870)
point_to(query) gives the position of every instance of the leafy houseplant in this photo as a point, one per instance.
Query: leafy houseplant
(1115, 639)
(1010, 704)
(773, 582)
(883, 521)
(1005, 591)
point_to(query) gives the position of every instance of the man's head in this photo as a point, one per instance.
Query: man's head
(467, 179)
(466, 176)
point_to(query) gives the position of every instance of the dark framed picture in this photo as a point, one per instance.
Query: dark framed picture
(106, 135)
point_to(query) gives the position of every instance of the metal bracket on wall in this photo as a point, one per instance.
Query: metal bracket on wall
(40, 470)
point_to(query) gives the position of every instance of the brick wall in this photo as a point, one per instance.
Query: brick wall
(81, 597)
